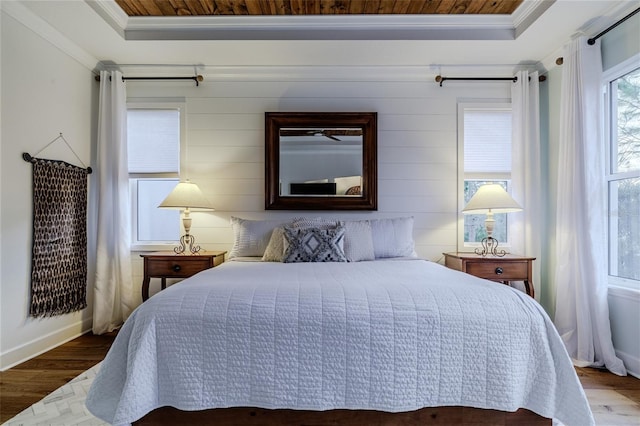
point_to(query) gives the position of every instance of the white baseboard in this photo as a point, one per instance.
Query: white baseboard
(631, 363)
(43, 344)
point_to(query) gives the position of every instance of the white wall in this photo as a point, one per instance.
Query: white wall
(621, 43)
(417, 155)
(44, 92)
(624, 312)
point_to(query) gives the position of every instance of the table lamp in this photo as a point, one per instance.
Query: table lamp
(186, 196)
(489, 199)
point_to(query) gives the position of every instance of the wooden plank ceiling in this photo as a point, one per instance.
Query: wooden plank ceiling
(314, 7)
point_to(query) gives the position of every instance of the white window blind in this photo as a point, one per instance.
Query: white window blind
(487, 141)
(485, 146)
(153, 139)
(155, 133)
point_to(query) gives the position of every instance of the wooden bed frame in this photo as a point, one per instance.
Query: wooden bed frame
(258, 416)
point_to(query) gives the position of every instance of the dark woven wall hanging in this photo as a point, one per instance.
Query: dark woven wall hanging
(59, 262)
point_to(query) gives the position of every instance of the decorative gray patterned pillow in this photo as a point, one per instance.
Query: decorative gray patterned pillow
(313, 245)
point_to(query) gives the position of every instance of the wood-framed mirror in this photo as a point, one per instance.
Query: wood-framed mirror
(321, 161)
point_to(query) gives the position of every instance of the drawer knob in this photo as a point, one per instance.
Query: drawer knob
(499, 270)
(176, 268)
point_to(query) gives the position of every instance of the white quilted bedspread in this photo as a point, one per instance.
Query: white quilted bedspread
(394, 335)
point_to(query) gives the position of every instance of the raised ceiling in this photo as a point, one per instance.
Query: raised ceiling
(318, 46)
(320, 19)
(316, 7)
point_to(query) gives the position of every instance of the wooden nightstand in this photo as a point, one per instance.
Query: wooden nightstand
(502, 269)
(170, 265)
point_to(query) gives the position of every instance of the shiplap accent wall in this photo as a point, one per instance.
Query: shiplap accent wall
(417, 147)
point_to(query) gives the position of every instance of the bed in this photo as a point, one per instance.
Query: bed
(387, 338)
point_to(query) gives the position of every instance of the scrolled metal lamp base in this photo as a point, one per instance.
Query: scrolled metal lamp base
(187, 241)
(490, 247)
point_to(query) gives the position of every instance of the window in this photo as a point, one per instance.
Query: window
(623, 173)
(485, 147)
(154, 139)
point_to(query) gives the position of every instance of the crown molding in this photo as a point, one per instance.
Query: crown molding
(326, 27)
(333, 27)
(40, 27)
(111, 13)
(528, 12)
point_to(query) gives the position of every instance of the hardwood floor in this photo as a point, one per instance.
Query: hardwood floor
(29, 382)
(614, 400)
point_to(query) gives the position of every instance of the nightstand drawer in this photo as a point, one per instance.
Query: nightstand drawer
(179, 268)
(503, 269)
(165, 265)
(497, 270)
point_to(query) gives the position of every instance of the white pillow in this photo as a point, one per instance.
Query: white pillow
(358, 240)
(251, 237)
(275, 249)
(393, 237)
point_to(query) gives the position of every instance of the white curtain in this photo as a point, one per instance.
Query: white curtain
(524, 231)
(113, 291)
(582, 312)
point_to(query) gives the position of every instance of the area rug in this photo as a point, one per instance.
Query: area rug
(64, 407)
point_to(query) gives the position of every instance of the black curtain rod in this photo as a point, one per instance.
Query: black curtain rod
(592, 40)
(440, 79)
(197, 78)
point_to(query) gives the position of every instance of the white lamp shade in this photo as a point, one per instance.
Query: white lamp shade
(491, 197)
(186, 195)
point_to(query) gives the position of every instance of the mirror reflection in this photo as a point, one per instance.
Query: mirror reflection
(321, 162)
